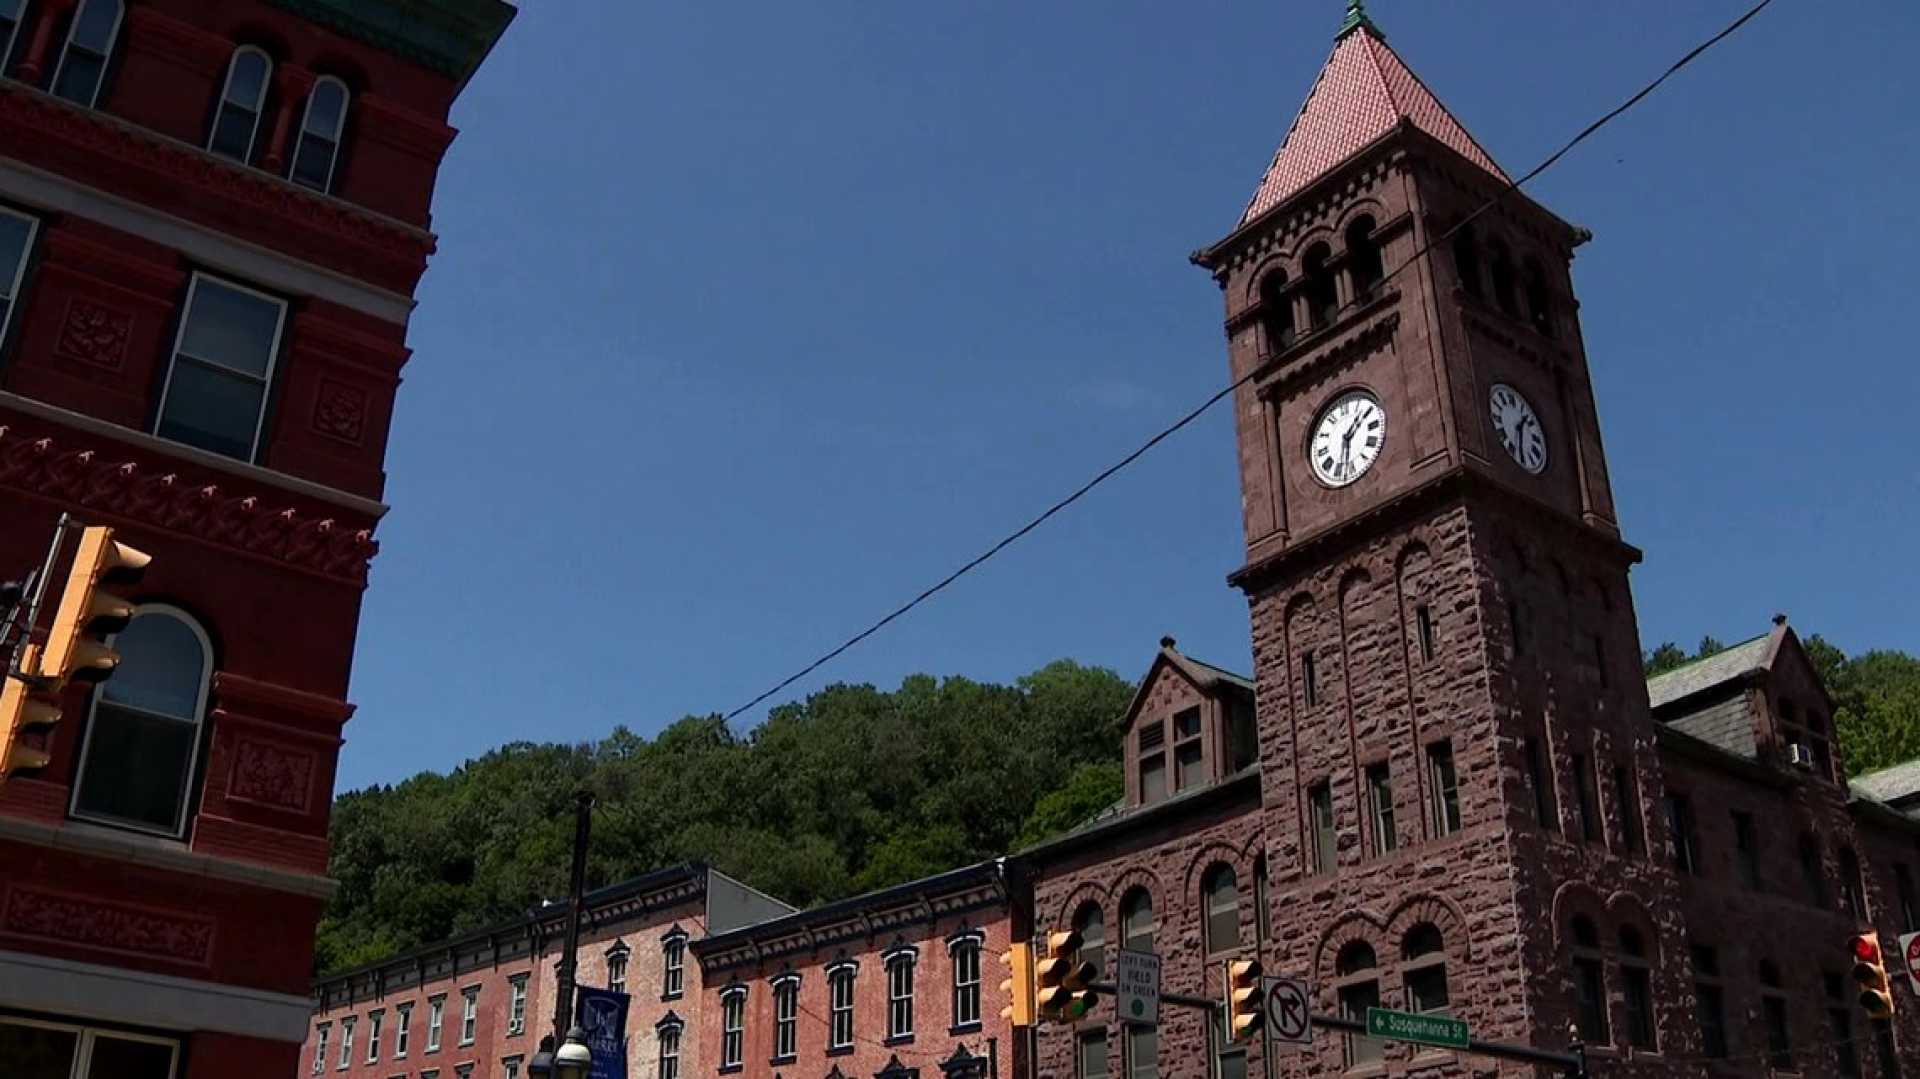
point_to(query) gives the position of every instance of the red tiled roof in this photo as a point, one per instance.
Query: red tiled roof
(1362, 92)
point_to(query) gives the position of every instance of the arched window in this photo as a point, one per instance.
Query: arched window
(733, 1026)
(1466, 261)
(1589, 982)
(143, 738)
(673, 963)
(1636, 984)
(900, 994)
(617, 967)
(786, 1016)
(1539, 300)
(668, 1035)
(1092, 927)
(1424, 969)
(1364, 264)
(1323, 297)
(1502, 272)
(1357, 982)
(1136, 921)
(965, 953)
(1276, 312)
(83, 62)
(319, 147)
(840, 1005)
(1222, 891)
(238, 119)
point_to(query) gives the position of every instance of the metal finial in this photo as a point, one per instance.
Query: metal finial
(1356, 19)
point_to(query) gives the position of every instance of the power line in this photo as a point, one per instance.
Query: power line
(1106, 473)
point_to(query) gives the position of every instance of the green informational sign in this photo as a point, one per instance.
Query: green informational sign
(1414, 1027)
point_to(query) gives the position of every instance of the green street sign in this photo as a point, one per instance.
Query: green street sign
(1413, 1027)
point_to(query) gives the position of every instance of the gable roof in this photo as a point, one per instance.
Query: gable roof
(1363, 92)
(1897, 786)
(1205, 677)
(1715, 670)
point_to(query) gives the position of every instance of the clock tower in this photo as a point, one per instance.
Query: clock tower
(1458, 759)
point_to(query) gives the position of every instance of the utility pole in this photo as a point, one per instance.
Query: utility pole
(563, 992)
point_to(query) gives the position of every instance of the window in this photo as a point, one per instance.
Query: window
(34, 1048)
(16, 239)
(673, 955)
(1903, 888)
(1143, 1052)
(83, 63)
(1583, 793)
(733, 1027)
(1539, 300)
(900, 995)
(669, 1037)
(1136, 921)
(216, 389)
(1853, 887)
(346, 1043)
(1443, 789)
(374, 1021)
(1323, 296)
(1227, 1057)
(1589, 983)
(1623, 796)
(436, 1015)
(966, 981)
(402, 1029)
(1153, 762)
(1424, 970)
(1092, 1055)
(1423, 628)
(1222, 892)
(1812, 873)
(1242, 734)
(1840, 1028)
(1517, 623)
(1466, 261)
(469, 1012)
(1501, 269)
(238, 119)
(1320, 814)
(1380, 798)
(463, 1071)
(1365, 268)
(786, 1018)
(510, 1068)
(142, 743)
(1600, 659)
(1709, 1001)
(1276, 312)
(1093, 937)
(319, 148)
(1636, 985)
(1773, 1010)
(320, 1047)
(1541, 783)
(517, 1005)
(1746, 845)
(1686, 839)
(1309, 691)
(1187, 755)
(840, 1007)
(616, 970)
(10, 13)
(1359, 989)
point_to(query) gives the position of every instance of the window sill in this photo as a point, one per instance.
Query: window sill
(729, 1069)
(664, 997)
(964, 1028)
(897, 1039)
(780, 1060)
(839, 1050)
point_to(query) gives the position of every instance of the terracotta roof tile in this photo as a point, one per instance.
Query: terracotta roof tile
(1362, 92)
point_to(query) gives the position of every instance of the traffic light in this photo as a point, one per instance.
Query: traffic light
(75, 645)
(1019, 984)
(22, 707)
(1870, 970)
(1246, 999)
(1061, 979)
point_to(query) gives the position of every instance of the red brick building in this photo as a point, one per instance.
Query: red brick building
(476, 1006)
(213, 215)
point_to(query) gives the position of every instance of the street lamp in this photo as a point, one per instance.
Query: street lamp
(541, 1066)
(574, 1059)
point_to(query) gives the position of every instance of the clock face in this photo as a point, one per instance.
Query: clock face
(1518, 427)
(1347, 438)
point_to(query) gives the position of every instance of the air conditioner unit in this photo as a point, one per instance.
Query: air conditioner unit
(1800, 756)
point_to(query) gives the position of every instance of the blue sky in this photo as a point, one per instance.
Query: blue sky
(750, 320)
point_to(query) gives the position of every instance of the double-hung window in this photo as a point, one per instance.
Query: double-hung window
(469, 1013)
(1380, 797)
(733, 1027)
(1188, 754)
(617, 970)
(320, 1047)
(965, 952)
(900, 995)
(223, 357)
(673, 955)
(517, 1005)
(320, 129)
(375, 1020)
(786, 1018)
(1443, 789)
(138, 757)
(31, 1048)
(241, 99)
(402, 1029)
(83, 61)
(669, 1037)
(346, 1043)
(840, 1007)
(16, 240)
(436, 1019)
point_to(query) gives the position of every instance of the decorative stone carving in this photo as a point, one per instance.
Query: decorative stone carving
(340, 410)
(271, 775)
(108, 927)
(94, 333)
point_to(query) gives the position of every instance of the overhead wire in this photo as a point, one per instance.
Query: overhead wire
(1195, 413)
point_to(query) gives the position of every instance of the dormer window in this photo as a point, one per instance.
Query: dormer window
(1153, 762)
(238, 120)
(83, 62)
(320, 129)
(1189, 758)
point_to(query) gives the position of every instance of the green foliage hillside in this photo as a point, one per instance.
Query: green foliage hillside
(852, 789)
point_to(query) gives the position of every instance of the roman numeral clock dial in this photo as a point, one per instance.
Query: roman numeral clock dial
(1347, 438)
(1518, 427)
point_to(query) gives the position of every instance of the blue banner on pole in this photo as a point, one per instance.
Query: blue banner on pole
(603, 1015)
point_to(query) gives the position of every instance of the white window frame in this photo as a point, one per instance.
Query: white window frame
(85, 1036)
(12, 294)
(199, 737)
(673, 958)
(733, 1027)
(436, 1021)
(306, 115)
(617, 967)
(510, 1066)
(259, 105)
(402, 1028)
(469, 1013)
(899, 1003)
(838, 975)
(668, 1064)
(786, 1017)
(375, 1020)
(346, 1043)
(963, 949)
(106, 58)
(517, 1006)
(266, 377)
(320, 1032)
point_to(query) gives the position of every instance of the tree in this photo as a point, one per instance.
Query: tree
(1090, 789)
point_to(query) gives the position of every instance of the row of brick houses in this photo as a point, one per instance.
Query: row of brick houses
(1446, 786)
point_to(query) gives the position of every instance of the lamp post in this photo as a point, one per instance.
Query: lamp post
(574, 1059)
(563, 1054)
